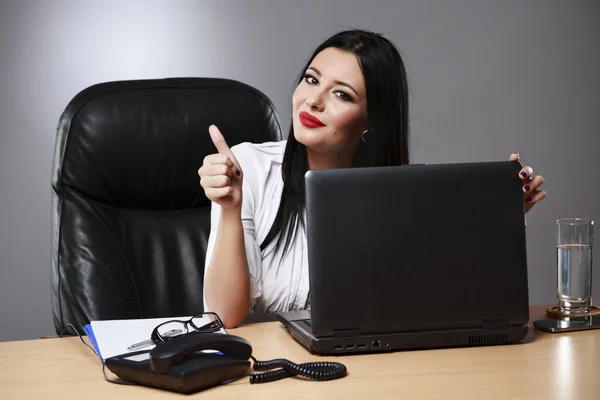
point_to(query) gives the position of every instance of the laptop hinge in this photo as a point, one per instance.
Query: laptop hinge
(496, 324)
(344, 333)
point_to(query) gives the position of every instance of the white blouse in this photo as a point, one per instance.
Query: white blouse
(276, 284)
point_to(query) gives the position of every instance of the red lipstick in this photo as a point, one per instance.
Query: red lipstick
(310, 121)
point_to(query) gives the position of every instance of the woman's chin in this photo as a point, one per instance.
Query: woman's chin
(308, 136)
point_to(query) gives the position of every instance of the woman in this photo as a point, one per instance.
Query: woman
(350, 108)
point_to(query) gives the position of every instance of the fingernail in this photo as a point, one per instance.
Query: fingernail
(527, 188)
(529, 199)
(523, 174)
(237, 172)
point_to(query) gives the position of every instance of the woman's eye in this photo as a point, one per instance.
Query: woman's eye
(343, 95)
(311, 80)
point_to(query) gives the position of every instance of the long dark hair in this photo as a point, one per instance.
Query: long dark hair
(387, 139)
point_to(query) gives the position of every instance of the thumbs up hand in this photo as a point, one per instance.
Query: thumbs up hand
(220, 174)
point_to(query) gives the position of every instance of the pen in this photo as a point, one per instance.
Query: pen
(150, 342)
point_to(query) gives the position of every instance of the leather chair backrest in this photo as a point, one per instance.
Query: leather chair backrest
(130, 222)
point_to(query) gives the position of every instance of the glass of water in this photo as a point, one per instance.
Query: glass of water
(574, 241)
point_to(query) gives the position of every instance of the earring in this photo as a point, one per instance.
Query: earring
(363, 135)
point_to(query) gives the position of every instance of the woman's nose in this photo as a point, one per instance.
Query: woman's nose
(315, 101)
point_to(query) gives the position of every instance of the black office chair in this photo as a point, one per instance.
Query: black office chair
(130, 222)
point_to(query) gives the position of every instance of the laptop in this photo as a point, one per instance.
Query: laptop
(414, 257)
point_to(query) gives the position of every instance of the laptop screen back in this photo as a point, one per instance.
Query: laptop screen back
(412, 248)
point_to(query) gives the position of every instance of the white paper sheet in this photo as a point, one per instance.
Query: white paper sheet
(115, 336)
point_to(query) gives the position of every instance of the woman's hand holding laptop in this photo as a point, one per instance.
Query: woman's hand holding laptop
(531, 184)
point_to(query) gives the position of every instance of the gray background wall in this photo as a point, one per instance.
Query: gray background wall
(487, 78)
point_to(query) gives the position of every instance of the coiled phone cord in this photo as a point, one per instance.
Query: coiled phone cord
(319, 371)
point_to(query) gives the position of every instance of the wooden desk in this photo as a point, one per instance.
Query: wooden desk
(547, 366)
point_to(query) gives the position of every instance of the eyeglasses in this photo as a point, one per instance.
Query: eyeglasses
(205, 322)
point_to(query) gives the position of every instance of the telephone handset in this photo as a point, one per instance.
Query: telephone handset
(174, 351)
(198, 361)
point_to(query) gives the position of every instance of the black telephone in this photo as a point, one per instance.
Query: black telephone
(178, 365)
(183, 364)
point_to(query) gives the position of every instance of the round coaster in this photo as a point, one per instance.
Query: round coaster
(553, 312)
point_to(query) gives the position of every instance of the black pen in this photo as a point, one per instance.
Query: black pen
(150, 342)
